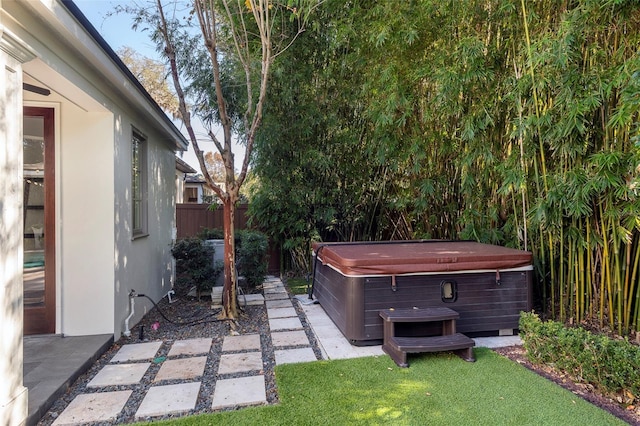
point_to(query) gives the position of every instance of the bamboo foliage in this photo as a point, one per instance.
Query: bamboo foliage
(505, 121)
(587, 207)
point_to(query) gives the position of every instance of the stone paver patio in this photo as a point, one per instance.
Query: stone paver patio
(186, 362)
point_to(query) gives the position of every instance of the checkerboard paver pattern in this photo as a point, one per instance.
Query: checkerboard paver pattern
(186, 363)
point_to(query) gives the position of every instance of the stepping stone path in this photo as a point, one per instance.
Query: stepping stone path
(185, 365)
(287, 333)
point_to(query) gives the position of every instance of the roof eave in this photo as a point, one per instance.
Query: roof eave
(113, 69)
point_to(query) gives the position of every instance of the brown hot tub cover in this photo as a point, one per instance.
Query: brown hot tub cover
(415, 257)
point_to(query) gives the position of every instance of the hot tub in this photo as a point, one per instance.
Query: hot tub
(487, 285)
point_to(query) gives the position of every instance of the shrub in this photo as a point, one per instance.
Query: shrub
(251, 253)
(194, 265)
(608, 364)
(252, 256)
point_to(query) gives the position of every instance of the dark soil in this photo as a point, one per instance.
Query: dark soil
(614, 404)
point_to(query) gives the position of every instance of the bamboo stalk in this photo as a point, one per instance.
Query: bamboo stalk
(634, 280)
(626, 313)
(589, 270)
(580, 282)
(561, 276)
(602, 271)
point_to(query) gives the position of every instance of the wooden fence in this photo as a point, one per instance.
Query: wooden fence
(193, 218)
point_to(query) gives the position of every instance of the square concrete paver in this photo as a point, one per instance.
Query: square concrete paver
(137, 352)
(251, 300)
(291, 356)
(282, 312)
(245, 342)
(276, 296)
(243, 300)
(289, 338)
(241, 362)
(162, 400)
(317, 317)
(339, 348)
(94, 407)
(240, 391)
(282, 303)
(285, 324)
(181, 369)
(275, 289)
(119, 374)
(190, 347)
(271, 284)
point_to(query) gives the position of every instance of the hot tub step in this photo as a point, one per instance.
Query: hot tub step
(398, 347)
(432, 343)
(419, 314)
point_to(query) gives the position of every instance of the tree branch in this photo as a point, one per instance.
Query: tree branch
(170, 51)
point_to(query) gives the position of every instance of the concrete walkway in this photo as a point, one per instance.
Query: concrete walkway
(177, 383)
(52, 363)
(335, 346)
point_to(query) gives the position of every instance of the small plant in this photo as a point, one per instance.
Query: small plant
(252, 252)
(194, 265)
(609, 364)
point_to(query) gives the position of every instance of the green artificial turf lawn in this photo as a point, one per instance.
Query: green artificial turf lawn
(437, 389)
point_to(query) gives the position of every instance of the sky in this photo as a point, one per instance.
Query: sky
(116, 30)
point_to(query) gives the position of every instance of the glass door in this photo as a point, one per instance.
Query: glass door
(39, 221)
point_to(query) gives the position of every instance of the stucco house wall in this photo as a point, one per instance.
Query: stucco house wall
(13, 395)
(97, 105)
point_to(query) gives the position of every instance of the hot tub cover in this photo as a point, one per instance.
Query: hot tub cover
(415, 257)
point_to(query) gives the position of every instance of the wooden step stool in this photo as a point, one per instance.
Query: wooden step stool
(397, 347)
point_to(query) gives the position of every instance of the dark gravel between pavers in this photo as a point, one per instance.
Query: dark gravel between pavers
(185, 309)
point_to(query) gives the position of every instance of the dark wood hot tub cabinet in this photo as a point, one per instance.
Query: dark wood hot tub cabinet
(487, 285)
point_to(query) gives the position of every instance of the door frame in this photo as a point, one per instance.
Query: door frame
(42, 319)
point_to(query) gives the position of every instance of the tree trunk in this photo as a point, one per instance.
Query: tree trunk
(229, 299)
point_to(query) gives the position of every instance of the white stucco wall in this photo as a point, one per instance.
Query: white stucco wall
(86, 222)
(143, 264)
(13, 394)
(98, 263)
(84, 133)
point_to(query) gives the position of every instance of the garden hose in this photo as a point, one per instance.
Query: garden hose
(205, 319)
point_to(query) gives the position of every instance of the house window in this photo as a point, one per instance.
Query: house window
(139, 184)
(191, 195)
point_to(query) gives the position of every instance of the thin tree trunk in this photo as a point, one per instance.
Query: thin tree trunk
(229, 305)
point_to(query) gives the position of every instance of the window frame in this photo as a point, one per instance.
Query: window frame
(139, 185)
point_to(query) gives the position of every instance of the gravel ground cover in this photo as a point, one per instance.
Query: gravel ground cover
(203, 322)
